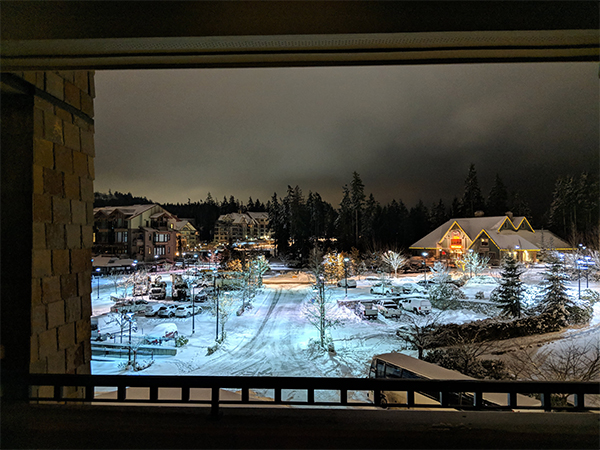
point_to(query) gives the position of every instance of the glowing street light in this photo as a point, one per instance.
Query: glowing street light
(216, 293)
(424, 255)
(98, 278)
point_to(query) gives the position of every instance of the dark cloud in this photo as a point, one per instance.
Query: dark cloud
(411, 132)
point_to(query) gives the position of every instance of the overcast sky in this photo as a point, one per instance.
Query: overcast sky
(409, 131)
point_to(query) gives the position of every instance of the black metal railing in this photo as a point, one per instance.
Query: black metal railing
(449, 393)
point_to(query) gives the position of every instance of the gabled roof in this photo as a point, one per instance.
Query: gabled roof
(128, 211)
(472, 226)
(518, 234)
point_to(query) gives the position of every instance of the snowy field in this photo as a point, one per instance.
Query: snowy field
(275, 339)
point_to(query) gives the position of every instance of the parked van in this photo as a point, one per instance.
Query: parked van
(418, 305)
(343, 282)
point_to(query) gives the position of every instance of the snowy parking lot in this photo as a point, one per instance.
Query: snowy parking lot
(274, 338)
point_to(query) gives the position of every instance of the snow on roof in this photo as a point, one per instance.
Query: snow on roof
(130, 211)
(110, 261)
(471, 226)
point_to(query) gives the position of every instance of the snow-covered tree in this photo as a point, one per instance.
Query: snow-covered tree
(319, 311)
(510, 292)
(416, 330)
(443, 294)
(395, 260)
(472, 263)
(333, 266)
(224, 305)
(556, 300)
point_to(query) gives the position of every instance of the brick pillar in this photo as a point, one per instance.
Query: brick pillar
(62, 195)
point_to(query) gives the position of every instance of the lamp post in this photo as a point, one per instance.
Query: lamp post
(579, 264)
(216, 293)
(424, 255)
(98, 278)
(588, 263)
(193, 308)
(346, 275)
(129, 317)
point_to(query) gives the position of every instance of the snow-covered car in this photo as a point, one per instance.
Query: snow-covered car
(162, 332)
(389, 308)
(410, 288)
(152, 309)
(342, 283)
(158, 292)
(166, 311)
(366, 310)
(417, 305)
(187, 310)
(129, 305)
(201, 297)
(139, 290)
(383, 289)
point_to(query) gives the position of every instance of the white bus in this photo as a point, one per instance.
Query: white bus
(398, 365)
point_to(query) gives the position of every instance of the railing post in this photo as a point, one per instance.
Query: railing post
(245, 395)
(444, 398)
(185, 394)
(579, 400)
(478, 400)
(89, 393)
(214, 403)
(547, 401)
(58, 392)
(343, 396)
(410, 399)
(310, 396)
(512, 400)
(277, 398)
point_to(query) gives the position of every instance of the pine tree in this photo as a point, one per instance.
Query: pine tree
(511, 287)
(357, 196)
(497, 203)
(472, 199)
(556, 300)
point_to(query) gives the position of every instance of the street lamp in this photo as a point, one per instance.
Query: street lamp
(129, 318)
(216, 293)
(424, 255)
(98, 278)
(346, 275)
(193, 308)
(579, 264)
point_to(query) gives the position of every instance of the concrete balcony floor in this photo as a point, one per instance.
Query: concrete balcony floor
(89, 426)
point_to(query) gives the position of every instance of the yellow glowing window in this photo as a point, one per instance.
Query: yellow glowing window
(456, 243)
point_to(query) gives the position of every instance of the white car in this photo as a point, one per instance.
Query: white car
(383, 289)
(152, 309)
(166, 311)
(389, 308)
(418, 305)
(342, 283)
(187, 311)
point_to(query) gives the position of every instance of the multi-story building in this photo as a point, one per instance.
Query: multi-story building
(187, 235)
(237, 227)
(142, 232)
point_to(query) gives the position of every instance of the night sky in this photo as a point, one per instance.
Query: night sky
(411, 132)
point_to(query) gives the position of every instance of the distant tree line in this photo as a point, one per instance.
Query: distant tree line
(300, 223)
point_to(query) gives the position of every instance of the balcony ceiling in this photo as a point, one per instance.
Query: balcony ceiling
(120, 35)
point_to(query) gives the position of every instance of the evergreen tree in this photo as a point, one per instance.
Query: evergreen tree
(497, 203)
(472, 200)
(510, 292)
(556, 300)
(519, 206)
(357, 197)
(344, 225)
(369, 218)
(455, 209)
(438, 214)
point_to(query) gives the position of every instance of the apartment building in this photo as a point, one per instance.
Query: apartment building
(141, 232)
(238, 227)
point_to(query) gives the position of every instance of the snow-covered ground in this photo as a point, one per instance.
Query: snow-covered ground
(275, 339)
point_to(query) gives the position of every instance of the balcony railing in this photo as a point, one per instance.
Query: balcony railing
(446, 389)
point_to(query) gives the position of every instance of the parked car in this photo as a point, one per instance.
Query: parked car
(153, 308)
(158, 292)
(201, 297)
(418, 305)
(383, 289)
(162, 332)
(410, 288)
(389, 308)
(166, 311)
(366, 310)
(187, 310)
(342, 283)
